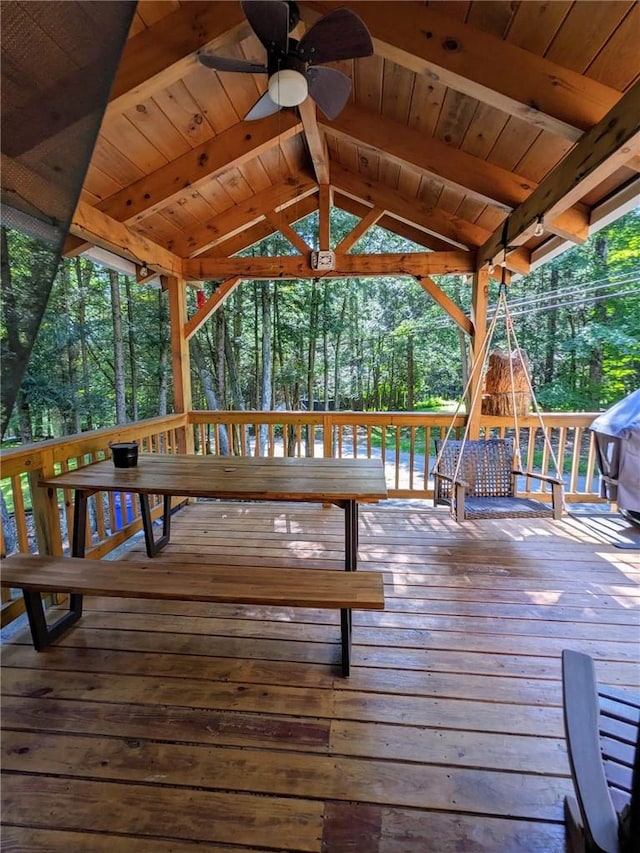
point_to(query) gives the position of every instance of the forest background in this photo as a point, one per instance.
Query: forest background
(102, 354)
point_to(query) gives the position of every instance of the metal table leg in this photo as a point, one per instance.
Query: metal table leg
(41, 633)
(153, 545)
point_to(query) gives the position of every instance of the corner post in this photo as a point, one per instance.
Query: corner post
(180, 359)
(479, 304)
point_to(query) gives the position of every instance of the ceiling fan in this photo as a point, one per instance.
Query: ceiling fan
(296, 68)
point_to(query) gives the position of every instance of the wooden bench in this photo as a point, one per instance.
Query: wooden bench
(602, 726)
(290, 587)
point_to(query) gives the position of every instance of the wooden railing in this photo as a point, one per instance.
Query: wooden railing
(41, 520)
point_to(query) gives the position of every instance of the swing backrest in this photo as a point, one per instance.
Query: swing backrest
(486, 466)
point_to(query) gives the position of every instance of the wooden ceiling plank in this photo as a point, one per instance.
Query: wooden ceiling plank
(315, 141)
(162, 54)
(287, 231)
(99, 229)
(290, 267)
(211, 304)
(459, 170)
(484, 66)
(600, 151)
(244, 215)
(367, 222)
(231, 148)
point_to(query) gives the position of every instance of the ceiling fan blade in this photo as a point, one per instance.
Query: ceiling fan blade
(339, 35)
(228, 63)
(329, 88)
(269, 20)
(262, 108)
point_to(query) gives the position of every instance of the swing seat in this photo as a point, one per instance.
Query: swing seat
(485, 485)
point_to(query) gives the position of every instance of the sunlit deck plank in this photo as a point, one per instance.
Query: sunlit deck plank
(447, 734)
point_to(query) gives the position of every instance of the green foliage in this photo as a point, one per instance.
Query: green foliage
(378, 343)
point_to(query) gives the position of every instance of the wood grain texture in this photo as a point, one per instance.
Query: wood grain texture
(176, 725)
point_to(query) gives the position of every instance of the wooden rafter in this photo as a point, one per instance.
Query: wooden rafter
(245, 214)
(316, 142)
(367, 222)
(417, 264)
(145, 68)
(279, 224)
(231, 148)
(95, 227)
(464, 172)
(462, 234)
(453, 310)
(391, 224)
(247, 237)
(483, 66)
(600, 151)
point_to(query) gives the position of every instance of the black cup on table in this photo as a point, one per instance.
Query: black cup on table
(124, 454)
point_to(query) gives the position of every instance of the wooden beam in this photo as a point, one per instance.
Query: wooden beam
(316, 142)
(212, 304)
(95, 227)
(417, 264)
(287, 231)
(367, 222)
(230, 149)
(259, 231)
(74, 246)
(391, 224)
(324, 221)
(245, 214)
(164, 53)
(464, 172)
(462, 234)
(601, 150)
(453, 310)
(483, 66)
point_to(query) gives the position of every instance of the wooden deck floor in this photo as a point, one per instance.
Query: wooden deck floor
(157, 727)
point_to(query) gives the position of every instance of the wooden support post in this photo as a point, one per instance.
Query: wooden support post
(479, 303)
(180, 357)
(324, 237)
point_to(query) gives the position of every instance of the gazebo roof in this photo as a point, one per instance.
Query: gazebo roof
(467, 113)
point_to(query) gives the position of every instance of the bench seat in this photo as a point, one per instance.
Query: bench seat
(257, 585)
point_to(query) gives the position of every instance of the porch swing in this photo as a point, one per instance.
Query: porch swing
(478, 478)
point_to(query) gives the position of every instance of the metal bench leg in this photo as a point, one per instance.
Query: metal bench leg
(41, 633)
(351, 535)
(346, 628)
(153, 546)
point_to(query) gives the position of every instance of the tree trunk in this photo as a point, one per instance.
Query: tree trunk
(552, 326)
(133, 358)
(265, 393)
(118, 349)
(599, 318)
(83, 276)
(163, 357)
(208, 386)
(24, 418)
(221, 339)
(410, 375)
(337, 355)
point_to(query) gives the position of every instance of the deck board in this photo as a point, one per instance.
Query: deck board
(228, 727)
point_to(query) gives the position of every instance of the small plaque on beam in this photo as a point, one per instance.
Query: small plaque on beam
(323, 261)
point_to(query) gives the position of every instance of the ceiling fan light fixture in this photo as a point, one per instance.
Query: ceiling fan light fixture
(288, 88)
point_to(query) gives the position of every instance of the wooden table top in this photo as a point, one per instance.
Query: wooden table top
(239, 477)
